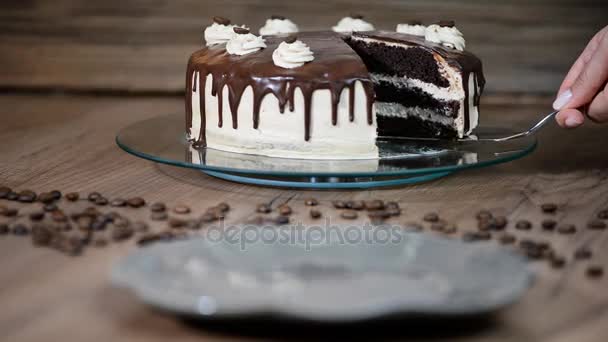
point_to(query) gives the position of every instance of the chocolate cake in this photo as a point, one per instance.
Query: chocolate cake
(326, 95)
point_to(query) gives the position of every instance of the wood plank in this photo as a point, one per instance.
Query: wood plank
(66, 142)
(143, 46)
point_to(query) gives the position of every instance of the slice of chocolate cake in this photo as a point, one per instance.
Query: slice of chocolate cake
(423, 89)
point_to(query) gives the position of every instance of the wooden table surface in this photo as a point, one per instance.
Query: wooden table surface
(66, 142)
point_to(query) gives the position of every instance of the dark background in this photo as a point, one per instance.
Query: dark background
(142, 46)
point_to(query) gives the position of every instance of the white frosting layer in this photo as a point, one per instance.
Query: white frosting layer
(292, 55)
(348, 24)
(282, 134)
(218, 34)
(398, 110)
(415, 30)
(278, 26)
(447, 36)
(242, 44)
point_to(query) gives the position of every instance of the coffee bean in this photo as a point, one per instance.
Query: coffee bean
(315, 214)
(596, 224)
(357, 205)
(181, 209)
(20, 229)
(356, 16)
(279, 17)
(93, 196)
(158, 207)
(217, 213)
(176, 222)
(27, 196)
(159, 216)
(446, 23)
(393, 211)
(91, 211)
(224, 207)
(50, 207)
(379, 214)
(339, 204)
(374, 205)
(84, 223)
(4, 191)
(101, 201)
(311, 202)
(483, 215)
(281, 219)
(566, 229)
(583, 253)
(263, 208)
(72, 196)
(450, 229)
(438, 226)
(46, 197)
(136, 202)
(291, 39)
(56, 194)
(523, 225)
(118, 202)
(98, 225)
(221, 20)
(122, 233)
(9, 212)
(431, 217)
(12, 196)
(392, 205)
(240, 30)
(208, 217)
(140, 226)
(41, 235)
(37, 215)
(557, 261)
(548, 208)
(484, 225)
(147, 239)
(4, 229)
(507, 239)
(121, 222)
(72, 246)
(58, 216)
(602, 214)
(469, 237)
(594, 271)
(533, 253)
(548, 224)
(499, 223)
(285, 210)
(349, 214)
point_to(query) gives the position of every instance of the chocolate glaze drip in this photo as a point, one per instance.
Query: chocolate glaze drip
(335, 68)
(464, 61)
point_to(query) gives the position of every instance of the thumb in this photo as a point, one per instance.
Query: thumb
(589, 82)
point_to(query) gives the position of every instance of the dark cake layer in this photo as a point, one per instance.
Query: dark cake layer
(413, 127)
(415, 62)
(413, 97)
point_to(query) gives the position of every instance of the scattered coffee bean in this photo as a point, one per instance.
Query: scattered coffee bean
(98, 225)
(392, 204)
(393, 211)
(136, 202)
(56, 194)
(507, 239)
(311, 202)
(46, 197)
(279, 17)
(596, 224)
(93, 196)
(175, 222)
(602, 214)
(349, 214)
(339, 204)
(315, 214)
(140, 226)
(548, 208)
(281, 219)
(224, 207)
(121, 233)
(499, 223)
(12, 196)
(208, 217)
(263, 208)
(356, 16)
(4, 191)
(72, 196)
(357, 205)
(9, 212)
(221, 20)
(566, 229)
(159, 216)
(583, 253)
(27, 196)
(102, 201)
(523, 225)
(58, 216)
(557, 261)
(594, 271)
(4, 229)
(483, 215)
(240, 30)
(41, 235)
(374, 205)
(217, 213)
(37, 215)
(431, 217)
(50, 207)
(158, 207)
(484, 225)
(20, 229)
(548, 224)
(285, 210)
(118, 202)
(379, 214)
(181, 209)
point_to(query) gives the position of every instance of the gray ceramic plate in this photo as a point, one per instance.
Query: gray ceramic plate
(341, 279)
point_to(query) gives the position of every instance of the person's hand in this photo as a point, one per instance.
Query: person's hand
(584, 90)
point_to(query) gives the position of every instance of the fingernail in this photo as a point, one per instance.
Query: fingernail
(572, 122)
(562, 99)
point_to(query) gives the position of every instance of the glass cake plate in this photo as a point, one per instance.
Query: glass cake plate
(401, 160)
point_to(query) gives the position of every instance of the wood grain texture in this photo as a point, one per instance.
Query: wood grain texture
(66, 142)
(130, 45)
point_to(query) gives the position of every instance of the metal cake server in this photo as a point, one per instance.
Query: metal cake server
(530, 131)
